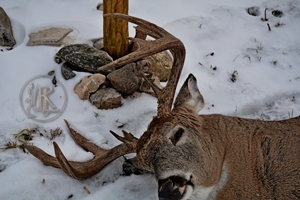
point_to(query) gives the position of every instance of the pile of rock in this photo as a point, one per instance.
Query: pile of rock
(106, 89)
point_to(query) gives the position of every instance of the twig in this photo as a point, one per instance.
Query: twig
(210, 54)
(87, 190)
(269, 26)
(279, 24)
(246, 56)
(266, 14)
(236, 57)
(265, 19)
(233, 76)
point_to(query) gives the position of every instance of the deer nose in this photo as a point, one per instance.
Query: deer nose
(172, 188)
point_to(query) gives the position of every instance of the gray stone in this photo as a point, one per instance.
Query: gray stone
(50, 36)
(124, 80)
(98, 43)
(100, 6)
(133, 96)
(106, 98)
(159, 64)
(89, 85)
(254, 11)
(6, 33)
(277, 13)
(144, 86)
(51, 73)
(66, 71)
(83, 57)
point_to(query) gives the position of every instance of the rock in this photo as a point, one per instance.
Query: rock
(98, 43)
(66, 71)
(124, 80)
(159, 64)
(106, 98)
(277, 13)
(100, 7)
(50, 36)
(144, 86)
(254, 11)
(6, 33)
(89, 85)
(51, 73)
(133, 96)
(83, 57)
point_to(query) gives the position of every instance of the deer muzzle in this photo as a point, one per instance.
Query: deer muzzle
(174, 188)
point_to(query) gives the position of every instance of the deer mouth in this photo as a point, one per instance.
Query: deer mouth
(174, 188)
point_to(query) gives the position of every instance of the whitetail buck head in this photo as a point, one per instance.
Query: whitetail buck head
(216, 156)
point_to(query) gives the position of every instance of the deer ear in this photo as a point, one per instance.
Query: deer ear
(189, 95)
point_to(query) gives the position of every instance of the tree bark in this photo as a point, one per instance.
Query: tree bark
(115, 31)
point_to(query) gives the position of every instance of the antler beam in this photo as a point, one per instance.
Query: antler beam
(83, 170)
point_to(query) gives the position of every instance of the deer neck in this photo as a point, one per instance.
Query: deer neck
(235, 141)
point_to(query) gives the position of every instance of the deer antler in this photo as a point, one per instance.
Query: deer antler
(83, 170)
(164, 41)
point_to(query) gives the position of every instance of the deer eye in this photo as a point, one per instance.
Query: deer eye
(176, 136)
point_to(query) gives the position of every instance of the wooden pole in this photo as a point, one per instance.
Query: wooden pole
(115, 31)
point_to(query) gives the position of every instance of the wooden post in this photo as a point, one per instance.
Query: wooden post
(115, 31)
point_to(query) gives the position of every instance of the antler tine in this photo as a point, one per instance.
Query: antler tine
(164, 41)
(82, 141)
(64, 164)
(83, 170)
(47, 159)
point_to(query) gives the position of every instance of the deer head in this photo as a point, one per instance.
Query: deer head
(175, 149)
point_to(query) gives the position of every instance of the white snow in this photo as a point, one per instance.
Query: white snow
(267, 85)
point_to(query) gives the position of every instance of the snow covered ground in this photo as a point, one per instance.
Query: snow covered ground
(267, 85)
